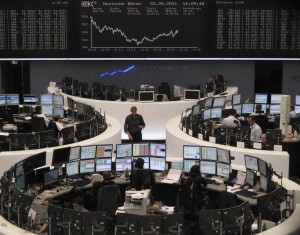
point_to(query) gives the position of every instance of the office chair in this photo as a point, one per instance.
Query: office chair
(68, 134)
(38, 124)
(141, 179)
(16, 141)
(226, 200)
(32, 140)
(111, 194)
(262, 121)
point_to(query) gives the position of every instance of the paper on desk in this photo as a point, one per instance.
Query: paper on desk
(168, 181)
(174, 175)
(233, 188)
(27, 118)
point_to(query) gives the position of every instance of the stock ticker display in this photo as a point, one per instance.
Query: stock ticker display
(149, 29)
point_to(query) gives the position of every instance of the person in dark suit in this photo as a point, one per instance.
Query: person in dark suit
(133, 126)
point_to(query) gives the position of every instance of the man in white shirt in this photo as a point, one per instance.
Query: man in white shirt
(293, 112)
(255, 129)
(231, 121)
(59, 122)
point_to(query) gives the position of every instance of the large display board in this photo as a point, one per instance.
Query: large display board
(149, 29)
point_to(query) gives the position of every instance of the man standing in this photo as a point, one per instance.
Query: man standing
(255, 129)
(133, 126)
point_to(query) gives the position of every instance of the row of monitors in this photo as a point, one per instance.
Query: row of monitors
(251, 180)
(273, 109)
(256, 164)
(45, 99)
(208, 103)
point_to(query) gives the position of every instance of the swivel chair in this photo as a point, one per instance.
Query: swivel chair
(111, 194)
(38, 124)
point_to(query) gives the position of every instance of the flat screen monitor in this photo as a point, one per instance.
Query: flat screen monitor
(208, 103)
(158, 150)
(223, 169)
(27, 109)
(297, 100)
(297, 109)
(51, 177)
(2, 100)
(250, 178)
(74, 153)
(103, 164)
(124, 150)
(39, 174)
(140, 149)
(261, 98)
(219, 101)
(238, 108)
(179, 91)
(19, 169)
(80, 107)
(247, 108)
(264, 107)
(146, 96)
(157, 163)
(20, 182)
(191, 94)
(58, 100)
(104, 151)
(47, 110)
(263, 183)
(12, 99)
(87, 166)
(276, 98)
(236, 99)
(146, 162)
(60, 156)
(262, 167)
(209, 153)
(274, 109)
(208, 167)
(188, 163)
(30, 99)
(224, 155)
(206, 114)
(216, 112)
(87, 152)
(191, 152)
(70, 102)
(72, 168)
(274, 136)
(251, 162)
(123, 164)
(196, 109)
(34, 161)
(59, 111)
(46, 99)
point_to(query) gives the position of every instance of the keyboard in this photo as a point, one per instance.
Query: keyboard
(210, 181)
(246, 193)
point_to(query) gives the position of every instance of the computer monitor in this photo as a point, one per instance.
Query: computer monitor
(263, 183)
(86, 166)
(251, 162)
(140, 149)
(20, 182)
(209, 153)
(191, 94)
(74, 153)
(196, 109)
(157, 163)
(275, 109)
(158, 150)
(47, 110)
(51, 177)
(58, 100)
(70, 102)
(30, 99)
(206, 114)
(224, 155)
(297, 100)
(80, 107)
(123, 150)
(179, 91)
(59, 111)
(103, 164)
(72, 168)
(188, 163)
(297, 109)
(146, 96)
(208, 103)
(238, 108)
(250, 178)
(191, 152)
(27, 109)
(104, 151)
(262, 167)
(223, 169)
(19, 168)
(39, 174)
(208, 167)
(34, 161)
(276, 98)
(216, 112)
(12, 99)
(2, 100)
(263, 107)
(236, 99)
(123, 164)
(46, 99)
(60, 156)
(219, 101)
(87, 152)
(247, 108)
(146, 162)
(261, 98)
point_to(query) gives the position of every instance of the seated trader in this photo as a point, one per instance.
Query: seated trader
(39, 113)
(43, 228)
(258, 110)
(141, 178)
(78, 205)
(231, 121)
(293, 112)
(255, 129)
(58, 121)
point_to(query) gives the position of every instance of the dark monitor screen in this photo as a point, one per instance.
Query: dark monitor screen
(146, 162)
(140, 149)
(74, 153)
(274, 109)
(103, 164)
(206, 114)
(51, 177)
(39, 174)
(251, 162)
(238, 108)
(72, 168)
(274, 136)
(219, 101)
(208, 103)
(208, 167)
(191, 94)
(34, 161)
(19, 168)
(157, 164)
(194, 87)
(123, 164)
(20, 182)
(196, 109)
(104, 151)
(12, 99)
(216, 112)
(261, 98)
(263, 183)
(47, 110)
(80, 107)
(27, 109)
(88, 152)
(30, 99)
(60, 156)
(146, 96)
(87, 166)
(297, 100)
(236, 99)
(46, 99)
(250, 178)
(188, 163)
(262, 167)
(59, 111)
(70, 102)
(158, 150)
(13, 109)
(191, 152)
(224, 155)
(276, 98)
(123, 150)
(209, 153)
(247, 108)
(223, 169)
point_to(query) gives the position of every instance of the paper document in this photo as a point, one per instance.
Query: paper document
(173, 176)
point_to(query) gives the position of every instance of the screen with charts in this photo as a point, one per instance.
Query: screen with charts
(274, 109)
(146, 162)
(216, 112)
(219, 101)
(223, 169)
(236, 99)
(188, 163)
(251, 162)
(223, 155)
(30, 99)
(263, 183)
(124, 150)
(46, 99)
(58, 100)
(208, 103)
(88, 152)
(206, 114)
(247, 108)
(12, 99)
(59, 111)
(51, 177)
(140, 149)
(238, 108)
(104, 151)
(47, 110)
(72, 168)
(262, 167)
(158, 150)
(276, 98)
(209, 153)
(2, 100)
(123, 164)
(208, 167)
(196, 109)
(103, 164)
(87, 166)
(250, 178)
(74, 153)
(157, 163)
(261, 98)
(191, 152)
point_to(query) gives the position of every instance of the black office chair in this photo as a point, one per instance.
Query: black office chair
(52, 127)
(38, 124)
(262, 121)
(111, 194)
(141, 179)
(68, 134)
(226, 200)
(16, 141)
(32, 140)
